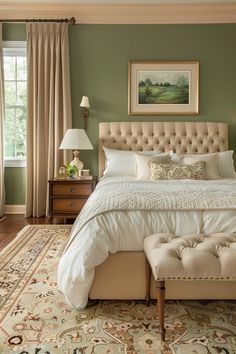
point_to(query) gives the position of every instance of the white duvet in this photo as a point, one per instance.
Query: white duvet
(122, 212)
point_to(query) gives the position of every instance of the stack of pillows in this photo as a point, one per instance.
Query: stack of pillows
(154, 165)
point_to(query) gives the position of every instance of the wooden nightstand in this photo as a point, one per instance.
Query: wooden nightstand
(67, 197)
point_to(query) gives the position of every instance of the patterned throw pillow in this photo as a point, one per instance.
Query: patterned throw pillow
(196, 170)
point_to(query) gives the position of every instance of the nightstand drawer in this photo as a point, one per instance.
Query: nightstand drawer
(72, 189)
(68, 205)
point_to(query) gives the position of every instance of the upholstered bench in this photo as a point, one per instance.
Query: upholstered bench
(190, 257)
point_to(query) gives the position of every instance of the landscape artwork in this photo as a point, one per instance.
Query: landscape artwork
(163, 87)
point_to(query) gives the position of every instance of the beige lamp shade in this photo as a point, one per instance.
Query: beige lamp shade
(85, 102)
(76, 139)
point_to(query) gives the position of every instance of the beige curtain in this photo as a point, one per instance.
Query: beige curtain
(49, 109)
(2, 113)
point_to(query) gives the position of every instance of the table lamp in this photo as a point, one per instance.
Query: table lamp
(76, 139)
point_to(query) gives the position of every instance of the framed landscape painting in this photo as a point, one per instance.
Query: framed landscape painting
(163, 87)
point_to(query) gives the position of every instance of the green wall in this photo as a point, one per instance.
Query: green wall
(15, 185)
(99, 56)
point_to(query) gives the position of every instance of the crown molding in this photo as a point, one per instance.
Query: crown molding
(107, 13)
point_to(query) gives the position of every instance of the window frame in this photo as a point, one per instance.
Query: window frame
(14, 48)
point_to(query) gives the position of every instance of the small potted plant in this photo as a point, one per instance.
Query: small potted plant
(71, 171)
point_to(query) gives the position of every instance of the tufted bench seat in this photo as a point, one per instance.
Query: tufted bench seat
(190, 257)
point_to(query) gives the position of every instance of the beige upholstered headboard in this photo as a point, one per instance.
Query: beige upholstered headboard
(181, 137)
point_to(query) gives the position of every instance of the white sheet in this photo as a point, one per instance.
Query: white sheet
(125, 230)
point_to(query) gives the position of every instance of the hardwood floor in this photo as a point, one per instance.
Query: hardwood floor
(10, 225)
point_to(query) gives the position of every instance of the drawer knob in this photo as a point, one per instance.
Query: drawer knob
(72, 190)
(71, 205)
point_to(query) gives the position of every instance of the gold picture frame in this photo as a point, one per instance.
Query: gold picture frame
(163, 87)
(62, 172)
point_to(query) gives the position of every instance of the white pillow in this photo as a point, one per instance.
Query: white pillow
(122, 163)
(149, 153)
(225, 163)
(212, 161)
(143, 170)
(119, 163)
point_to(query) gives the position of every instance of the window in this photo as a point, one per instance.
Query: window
(15, 77)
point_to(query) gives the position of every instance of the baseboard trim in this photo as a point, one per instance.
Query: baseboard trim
(14, 209)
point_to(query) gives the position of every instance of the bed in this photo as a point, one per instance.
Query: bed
(120, 273)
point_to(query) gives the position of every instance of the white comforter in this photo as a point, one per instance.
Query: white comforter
(122, 212)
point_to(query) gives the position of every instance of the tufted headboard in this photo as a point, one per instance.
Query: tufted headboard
(181, 137)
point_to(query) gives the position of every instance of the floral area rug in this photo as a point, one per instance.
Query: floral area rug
(34, 318)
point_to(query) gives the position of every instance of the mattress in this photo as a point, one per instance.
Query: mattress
(101, 230)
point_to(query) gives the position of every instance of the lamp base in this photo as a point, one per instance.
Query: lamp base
(76, 161)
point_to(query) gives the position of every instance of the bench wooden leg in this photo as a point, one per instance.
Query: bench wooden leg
(148, 282)
(161, 306)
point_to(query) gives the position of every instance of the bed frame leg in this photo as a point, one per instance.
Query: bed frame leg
(161, 306)
(148, 282)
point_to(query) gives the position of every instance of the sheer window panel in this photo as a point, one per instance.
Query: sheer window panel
(15, 77)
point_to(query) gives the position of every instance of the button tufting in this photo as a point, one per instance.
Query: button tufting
(210, 256)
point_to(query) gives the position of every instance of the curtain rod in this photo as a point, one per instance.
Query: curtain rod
(71, 20)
